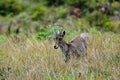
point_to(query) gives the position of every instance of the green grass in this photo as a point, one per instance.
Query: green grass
(38, 60)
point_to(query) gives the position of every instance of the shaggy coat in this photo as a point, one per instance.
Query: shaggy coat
(75, 48)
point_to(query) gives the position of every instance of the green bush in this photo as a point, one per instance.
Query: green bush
(61, 12)
(47, 33)
(53, 2)
(76, 3)
(116, 6)
(38, 12)
(96, 18)
(102, 21)
(86, 6)
(108, 26)
(11, 7)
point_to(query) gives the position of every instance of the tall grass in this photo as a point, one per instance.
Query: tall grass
(37, 60)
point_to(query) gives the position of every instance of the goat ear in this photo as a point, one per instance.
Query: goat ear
(63, 33)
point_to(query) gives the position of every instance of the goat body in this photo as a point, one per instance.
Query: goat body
(76, 47)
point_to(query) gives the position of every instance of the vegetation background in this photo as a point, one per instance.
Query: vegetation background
(26, 39)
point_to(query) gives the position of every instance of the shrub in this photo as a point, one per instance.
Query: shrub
(108, 26)
(10, 7)
(47, 33)
(38, 12)
(53, 2)
(95, 18)
(61, 12)
(76, 3)
(116, 7)
(100, 20)
(23, 19)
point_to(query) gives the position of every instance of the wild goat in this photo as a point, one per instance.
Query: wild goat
(76, 47)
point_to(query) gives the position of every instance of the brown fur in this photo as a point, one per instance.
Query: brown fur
(75, 48)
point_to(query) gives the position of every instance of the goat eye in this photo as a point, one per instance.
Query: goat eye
(55, 38)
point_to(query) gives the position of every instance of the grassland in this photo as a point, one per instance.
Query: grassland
(33, 56)
(32, 59)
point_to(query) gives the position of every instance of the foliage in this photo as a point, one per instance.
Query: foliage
(108, 26)
(116, 7)
(47, 33)
(3, 38)
(38, 12)
(54, 2)
(61, 12)
(47, 12)
(10, 7)
(101, 20)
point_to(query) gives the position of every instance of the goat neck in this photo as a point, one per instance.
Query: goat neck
(64, 46)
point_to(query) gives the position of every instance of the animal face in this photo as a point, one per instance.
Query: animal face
(58, 38)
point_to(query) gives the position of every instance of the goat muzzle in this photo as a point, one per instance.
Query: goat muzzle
(55, 47)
